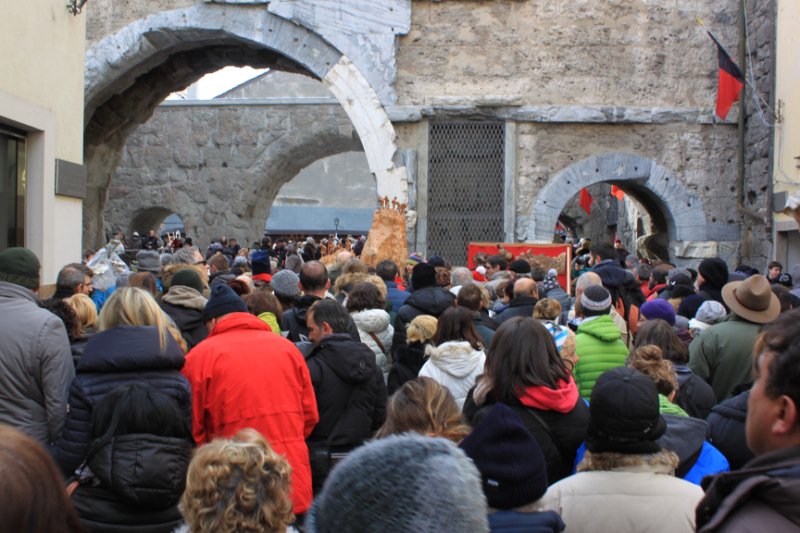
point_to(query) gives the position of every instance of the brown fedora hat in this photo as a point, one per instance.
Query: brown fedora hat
(752, 299)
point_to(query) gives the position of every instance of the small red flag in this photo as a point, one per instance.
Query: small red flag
(729, 82)
(616, 192)
(586, 200)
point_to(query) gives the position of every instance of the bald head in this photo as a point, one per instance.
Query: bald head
(587, 279)
(343, 257)
(525, 288)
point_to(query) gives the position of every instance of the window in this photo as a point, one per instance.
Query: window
(12, 187)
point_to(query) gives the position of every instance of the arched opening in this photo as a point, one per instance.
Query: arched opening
(130, 72)
(158, 219)
(676, 214)
(626, 212)
(334, 194)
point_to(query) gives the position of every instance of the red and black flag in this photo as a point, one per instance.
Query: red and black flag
(730, 81)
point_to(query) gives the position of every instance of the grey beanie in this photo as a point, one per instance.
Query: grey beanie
(710, 312)
(402, 483)
(285, 283)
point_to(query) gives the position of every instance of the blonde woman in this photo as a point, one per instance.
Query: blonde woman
(238, 484)
(135, 344)
(85, 323)
(410, 358)
(425, 407)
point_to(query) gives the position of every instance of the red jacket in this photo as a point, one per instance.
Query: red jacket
(245, 376)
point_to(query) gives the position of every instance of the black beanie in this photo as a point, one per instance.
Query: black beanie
(511, 463)
(222, 301)
(188, 277)
(624, 413)
(423, 275)
(714, 271)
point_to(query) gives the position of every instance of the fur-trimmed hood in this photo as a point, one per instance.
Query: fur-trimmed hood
(663, 462)
(457, 358)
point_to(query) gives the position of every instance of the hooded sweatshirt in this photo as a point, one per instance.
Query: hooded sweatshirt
(599, 348)
(376, 322)
(455, 365)
(561, 399)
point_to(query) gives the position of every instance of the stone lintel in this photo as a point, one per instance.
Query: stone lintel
(496, 109)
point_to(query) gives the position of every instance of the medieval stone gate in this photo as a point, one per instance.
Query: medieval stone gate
(397, 71)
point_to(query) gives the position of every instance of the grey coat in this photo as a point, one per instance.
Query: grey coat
(36, 365)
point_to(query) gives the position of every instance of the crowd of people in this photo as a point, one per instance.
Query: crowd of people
(292, 387)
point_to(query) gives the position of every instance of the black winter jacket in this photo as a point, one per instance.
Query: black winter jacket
(407, 367)
(522, 306)
(141, 477)
(351, 394)
(428, 301)
(294, 320)
(118, 356)
(559, 441)
(726, 430)
(695, 395)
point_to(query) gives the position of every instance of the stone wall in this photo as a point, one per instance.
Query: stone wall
(220, 166)
(757, 215)
(617, 52)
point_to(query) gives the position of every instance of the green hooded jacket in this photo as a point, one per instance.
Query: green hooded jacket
(599, 348)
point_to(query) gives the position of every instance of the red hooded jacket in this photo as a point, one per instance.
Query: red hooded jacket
(245, 376)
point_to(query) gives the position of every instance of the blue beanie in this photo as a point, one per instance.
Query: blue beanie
(222, 301)
(510, 461)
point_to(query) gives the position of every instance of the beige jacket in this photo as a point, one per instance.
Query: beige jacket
(618, 493)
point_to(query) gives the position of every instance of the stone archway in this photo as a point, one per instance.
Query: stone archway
(128, 73)
(226, 183)
(680, 213)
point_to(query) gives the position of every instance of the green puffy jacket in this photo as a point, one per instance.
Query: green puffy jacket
(599, 348)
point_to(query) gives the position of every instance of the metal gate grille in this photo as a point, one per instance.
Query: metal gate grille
(465, 186)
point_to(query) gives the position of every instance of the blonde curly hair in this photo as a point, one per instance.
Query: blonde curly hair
(238, 484)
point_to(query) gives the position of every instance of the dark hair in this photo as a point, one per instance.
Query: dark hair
(144, 280)
(785, 297)
(141, 408)
(66, 313)
(72, 275)
(604, 250)
(386, 270)
(313, 276)
(240, 287)
(456, 324)
(774, 264)
(470, 296)
(497, 261)
(658, 274)
(523, 354)
(266, 243)
(32, 488)
(659, 333)
(332, 312)
(538, 273)
(782, 339)
(263, 301)
(363, 296)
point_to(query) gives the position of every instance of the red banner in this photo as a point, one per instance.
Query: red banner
(547, 256)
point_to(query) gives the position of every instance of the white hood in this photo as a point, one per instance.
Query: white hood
(456, 358)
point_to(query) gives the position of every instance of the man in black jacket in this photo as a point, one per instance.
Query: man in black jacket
(314, 283)
(351, 394)
(526, 294)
